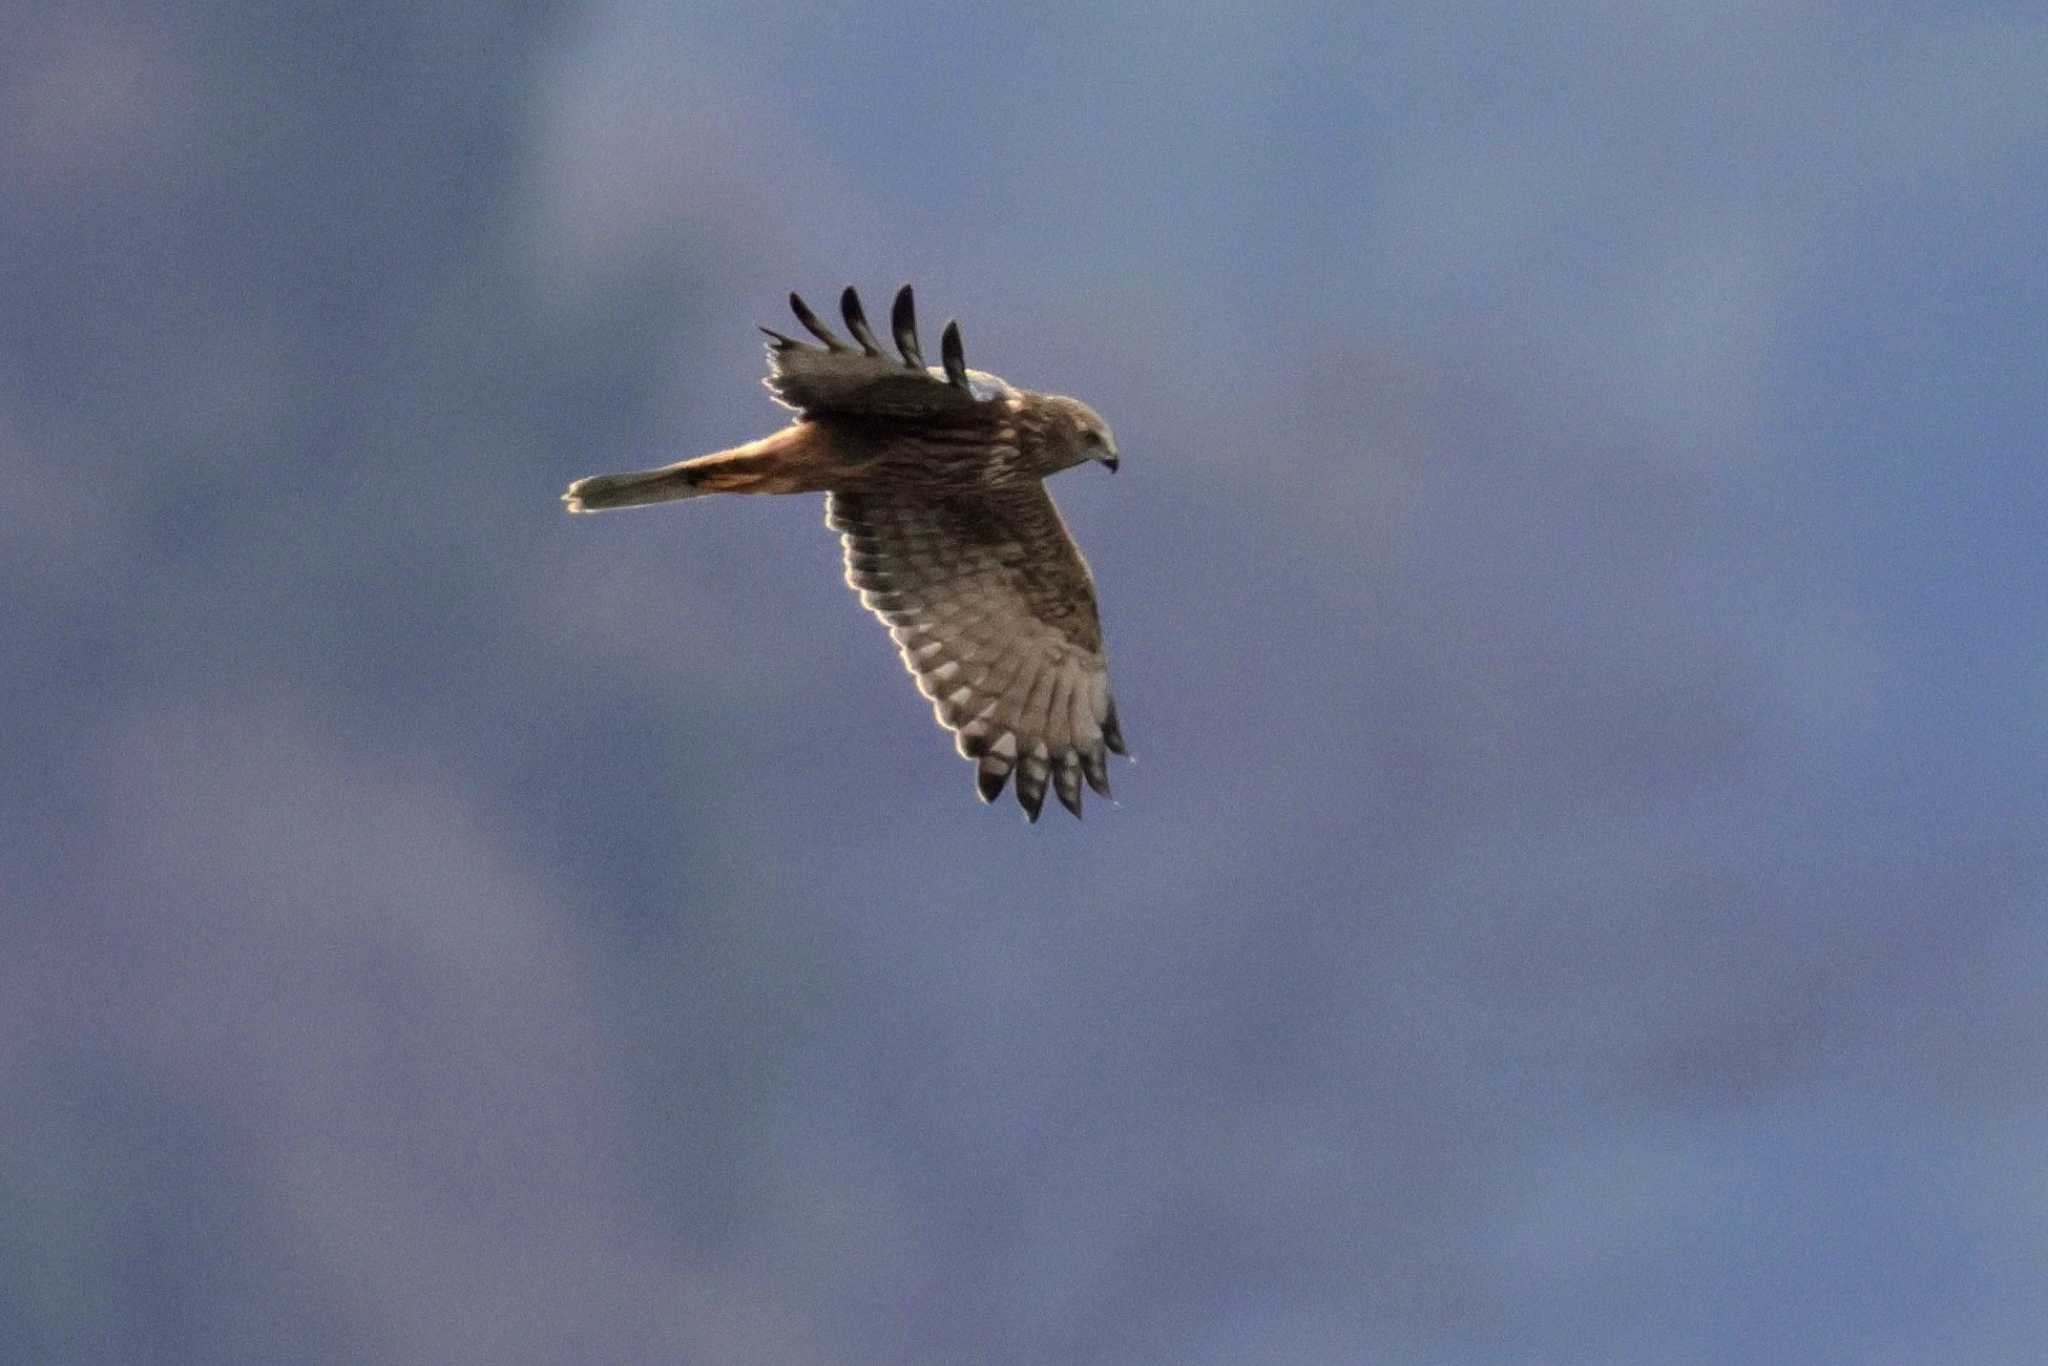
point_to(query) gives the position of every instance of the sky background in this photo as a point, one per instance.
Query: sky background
(1575, 588)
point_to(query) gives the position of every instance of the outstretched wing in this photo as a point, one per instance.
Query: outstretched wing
(861, 380)
(994, 610)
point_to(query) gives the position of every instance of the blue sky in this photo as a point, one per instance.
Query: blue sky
(1574, 589)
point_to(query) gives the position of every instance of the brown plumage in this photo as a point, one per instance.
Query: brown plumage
(934, 476)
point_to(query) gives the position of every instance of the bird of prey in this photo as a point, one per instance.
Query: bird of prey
(934, 476)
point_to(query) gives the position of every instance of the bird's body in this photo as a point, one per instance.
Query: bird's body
(934, 476)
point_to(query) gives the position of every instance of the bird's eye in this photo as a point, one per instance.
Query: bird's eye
(1092, 438)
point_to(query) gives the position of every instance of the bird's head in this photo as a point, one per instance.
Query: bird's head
(1078, 432)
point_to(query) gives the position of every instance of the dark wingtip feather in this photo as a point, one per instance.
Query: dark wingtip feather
(903, 322)
(1066, 781)
(988, 782)
(812, 325)
(1112, 734)
(954, 355)
(780, 342)
(857, 321)
(1095, 767)
(1030, 790)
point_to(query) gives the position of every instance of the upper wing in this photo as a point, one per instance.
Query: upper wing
(993, 608)
(862, 380)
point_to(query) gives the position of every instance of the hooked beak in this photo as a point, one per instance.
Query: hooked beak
(1108, 457)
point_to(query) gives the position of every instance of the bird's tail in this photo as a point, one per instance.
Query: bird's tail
(602, 492)
(782, 463)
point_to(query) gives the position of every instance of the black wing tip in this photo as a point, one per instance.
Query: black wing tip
(1066, 780)
(857, 321)
(989, 782)
(954, 356)
(812, 325)
(1095, 768)
(1112, 733)
(1031, 785)
(903, 322)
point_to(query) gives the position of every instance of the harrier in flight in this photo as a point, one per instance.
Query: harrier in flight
(935, 475)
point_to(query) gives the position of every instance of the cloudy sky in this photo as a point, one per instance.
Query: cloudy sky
(1575, 588)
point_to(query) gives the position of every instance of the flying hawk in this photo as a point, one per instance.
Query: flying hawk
(934, 476)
